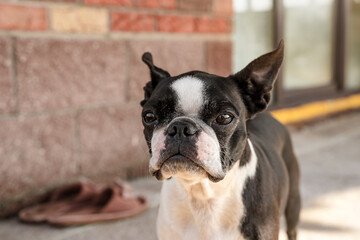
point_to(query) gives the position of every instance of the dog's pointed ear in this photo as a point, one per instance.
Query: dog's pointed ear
(257, 79)
(157, 74)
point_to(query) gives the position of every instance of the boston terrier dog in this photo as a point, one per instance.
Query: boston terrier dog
(229, 170)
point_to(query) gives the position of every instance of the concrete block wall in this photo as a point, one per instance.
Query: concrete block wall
(71, 81)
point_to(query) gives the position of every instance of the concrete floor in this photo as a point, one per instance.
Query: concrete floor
(329, 156)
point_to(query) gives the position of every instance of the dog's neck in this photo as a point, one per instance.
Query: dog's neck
(214, 207)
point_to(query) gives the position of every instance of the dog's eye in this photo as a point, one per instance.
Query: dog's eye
(224, 119)
(149, 117)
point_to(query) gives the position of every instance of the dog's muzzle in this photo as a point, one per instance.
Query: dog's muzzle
(185, 152)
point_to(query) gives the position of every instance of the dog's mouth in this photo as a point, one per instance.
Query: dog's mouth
(180, 165)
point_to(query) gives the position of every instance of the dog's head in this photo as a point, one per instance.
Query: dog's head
(195, 123)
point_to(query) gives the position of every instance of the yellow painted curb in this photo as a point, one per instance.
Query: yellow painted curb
(316, 109)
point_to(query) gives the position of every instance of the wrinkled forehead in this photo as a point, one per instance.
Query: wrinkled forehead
(190, 95)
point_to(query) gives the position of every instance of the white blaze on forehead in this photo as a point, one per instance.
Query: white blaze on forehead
(190, 92)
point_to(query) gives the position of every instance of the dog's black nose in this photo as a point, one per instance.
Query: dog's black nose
(182, 129)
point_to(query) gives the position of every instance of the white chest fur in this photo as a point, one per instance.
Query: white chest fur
(204, 210)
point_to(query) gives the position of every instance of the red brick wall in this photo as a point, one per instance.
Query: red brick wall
(71, 81)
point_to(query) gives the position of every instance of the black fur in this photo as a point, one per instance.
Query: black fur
(256, 80)
(157, 74)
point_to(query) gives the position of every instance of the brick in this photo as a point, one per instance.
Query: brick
(195, 5)
(15, 17)
(219, 58)
(7, 98)
(112, 139)
(174, 56)
(212, 25)
(168, 4)
(65, 73)
(79, 20)
(57, 1)
(110, 2)
(35, 152)
(172, 23)
(132, 22)
(149, 3)
(222, 6)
